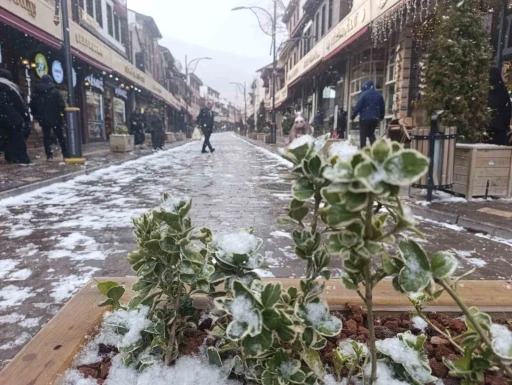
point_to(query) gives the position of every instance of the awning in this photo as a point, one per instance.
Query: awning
(90, 60)
(21, 25)
(356, 36)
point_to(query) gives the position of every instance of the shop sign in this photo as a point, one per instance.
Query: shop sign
(41, 65)
(134, 74)
(89, 44)
(347, 28)
(95, 82)
(57, 72)
(74, 78)
(312, 58)
(122, 93)
(27, 5)
(157, 89)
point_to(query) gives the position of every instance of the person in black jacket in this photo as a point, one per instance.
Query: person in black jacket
(500, 108)
(14, 120)
(47, 107)
(137, 125)
(206, 120)
(156, 127)
(371, 109)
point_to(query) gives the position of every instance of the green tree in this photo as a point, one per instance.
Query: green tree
(262, 117)
(458, 60)
(288, 120)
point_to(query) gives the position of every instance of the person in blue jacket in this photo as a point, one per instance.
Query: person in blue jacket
(370, 108)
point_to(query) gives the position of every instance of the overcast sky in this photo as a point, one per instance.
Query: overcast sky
(211, 24)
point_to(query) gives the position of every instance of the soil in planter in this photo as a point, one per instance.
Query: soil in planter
(354, 327)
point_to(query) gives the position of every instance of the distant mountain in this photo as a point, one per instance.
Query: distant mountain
(219, 72)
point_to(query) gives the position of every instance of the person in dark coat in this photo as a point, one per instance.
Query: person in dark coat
(156, 127)
(500, 109)
(206, 120)
(137, 126)
(14, 121)
(341, 123)
(47, 107)
(370, 108)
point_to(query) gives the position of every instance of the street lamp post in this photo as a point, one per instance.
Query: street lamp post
(273, 128)
(74, 133)
(243, 87)
(188, 73)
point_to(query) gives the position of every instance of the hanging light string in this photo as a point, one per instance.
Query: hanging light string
(395, 19)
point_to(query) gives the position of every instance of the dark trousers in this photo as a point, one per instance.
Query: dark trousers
(367, 131)
(500, 137)
(15, 146)
(207, 134)
(47, 139)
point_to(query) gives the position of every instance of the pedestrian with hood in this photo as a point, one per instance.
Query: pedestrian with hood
(370, 108)
(206, 120)
(156, 127)
(500, 109)
(47, 107)
(137, 126)
(300, 128)
(14, 121)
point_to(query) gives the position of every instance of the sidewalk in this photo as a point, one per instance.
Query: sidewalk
(492, 216)
(17, 179)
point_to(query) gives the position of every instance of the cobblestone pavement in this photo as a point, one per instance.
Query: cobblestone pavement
(56, 238)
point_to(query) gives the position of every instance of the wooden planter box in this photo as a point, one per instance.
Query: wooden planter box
(477, 164)
(122, 143)
(262, 137)
(50, 353)
(180, 136)
(170, 137)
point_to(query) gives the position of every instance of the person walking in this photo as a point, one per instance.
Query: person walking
(370, 108)
(206, 120)
(156, 127)
(14, 121)
(500, 109)
(47, 107)
(137, 123)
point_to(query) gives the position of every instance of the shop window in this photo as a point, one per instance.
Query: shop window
(90, 7)
(95, 117)
(345, 8)
(119, 112)
(99, 13)
(117, 25)
(317, 27)
(330, 14)
(324, 20)
(110, 20)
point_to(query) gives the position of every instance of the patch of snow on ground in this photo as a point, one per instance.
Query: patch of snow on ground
(30, 322)
(19, 275)
(20, 340)
(281, 234)
(466, 256)
(441, 224)
(14, 295)
(11, 318)
(67, 286)
(6, 266)
(88, 248)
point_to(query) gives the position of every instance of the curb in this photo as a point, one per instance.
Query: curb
(66, 177)
(467, 223)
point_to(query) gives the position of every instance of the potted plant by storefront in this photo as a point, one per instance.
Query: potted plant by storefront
(460, 88)
(266, 332)
(121, 140)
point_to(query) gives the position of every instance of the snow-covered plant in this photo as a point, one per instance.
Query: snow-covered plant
(484, 346)
(171, 268)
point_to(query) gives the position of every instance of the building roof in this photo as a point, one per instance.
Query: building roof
(150, 24)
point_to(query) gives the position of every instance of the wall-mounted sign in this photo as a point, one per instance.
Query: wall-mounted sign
(95, 82)
(134, 74)
(41, 65)
(89, 44)
(57, 72)
(122, 93)
(27, 5)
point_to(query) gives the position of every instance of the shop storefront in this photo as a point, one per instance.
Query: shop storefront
(94, 109)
